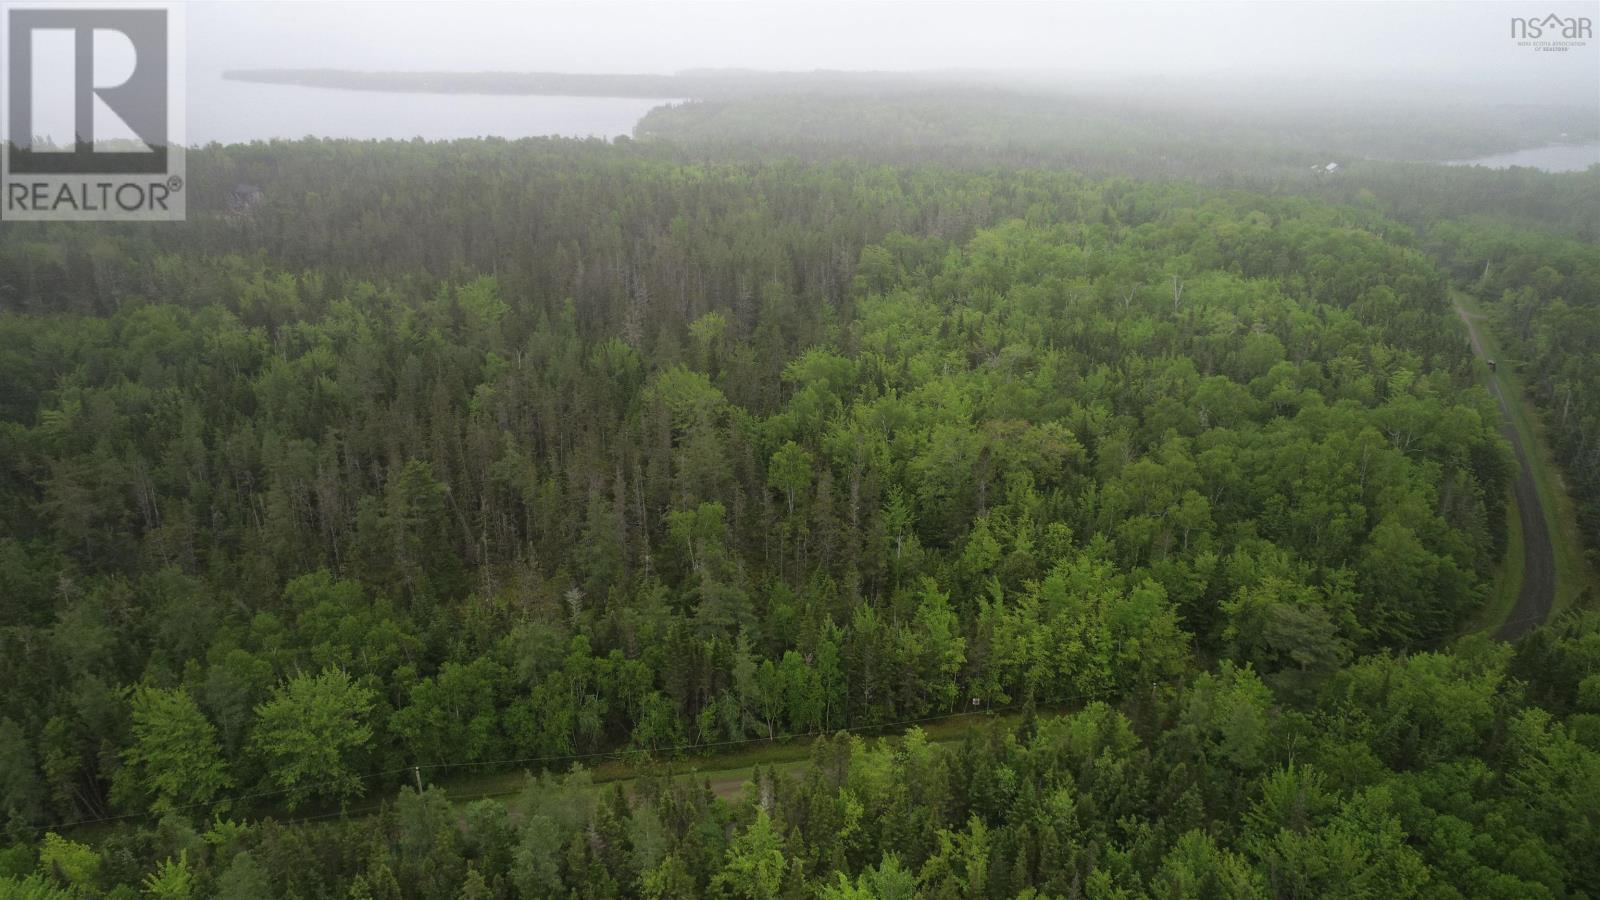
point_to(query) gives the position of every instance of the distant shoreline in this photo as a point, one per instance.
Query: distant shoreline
(1553, 157)
(696, 84)
(646, 87)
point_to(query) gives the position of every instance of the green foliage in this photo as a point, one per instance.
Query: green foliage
(175, 758)
(21, 792)
(171, 880)
(790, 472)
(755, 865)
(452, 716)
(34, 887)
(244, 879)
(68, 862)
(885, 881)
(312, 734)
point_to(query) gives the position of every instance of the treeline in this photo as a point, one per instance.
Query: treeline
(1093, 124)
(1226, 140)
(690, 83)
(1518, 199)
(1470, 773)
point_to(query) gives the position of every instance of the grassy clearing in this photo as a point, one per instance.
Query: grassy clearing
(726, 771)
(1573, 573)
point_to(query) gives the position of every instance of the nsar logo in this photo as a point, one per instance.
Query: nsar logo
(1553, 32)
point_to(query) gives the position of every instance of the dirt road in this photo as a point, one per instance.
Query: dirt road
(1538, 591)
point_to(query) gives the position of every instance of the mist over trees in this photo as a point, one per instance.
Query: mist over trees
(1172, 478)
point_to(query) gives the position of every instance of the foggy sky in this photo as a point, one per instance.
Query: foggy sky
(1436, 45)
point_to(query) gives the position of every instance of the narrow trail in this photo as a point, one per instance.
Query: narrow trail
(1538, 592)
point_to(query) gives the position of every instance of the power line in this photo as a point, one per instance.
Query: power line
(213, 803)
(565, 757)
(623, 752)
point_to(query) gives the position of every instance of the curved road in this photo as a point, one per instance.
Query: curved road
(1538, 591)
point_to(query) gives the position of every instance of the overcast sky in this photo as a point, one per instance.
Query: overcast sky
(1432, 42)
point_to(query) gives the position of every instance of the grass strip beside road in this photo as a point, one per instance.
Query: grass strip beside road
(1573, 573)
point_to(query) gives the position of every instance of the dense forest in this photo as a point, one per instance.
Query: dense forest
(494, 456)
(1207, 134)
(1206, 128)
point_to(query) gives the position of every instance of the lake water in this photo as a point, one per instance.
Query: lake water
(237, 111)
(1551, 158)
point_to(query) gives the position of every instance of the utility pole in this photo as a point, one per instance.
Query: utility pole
(417, 771)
